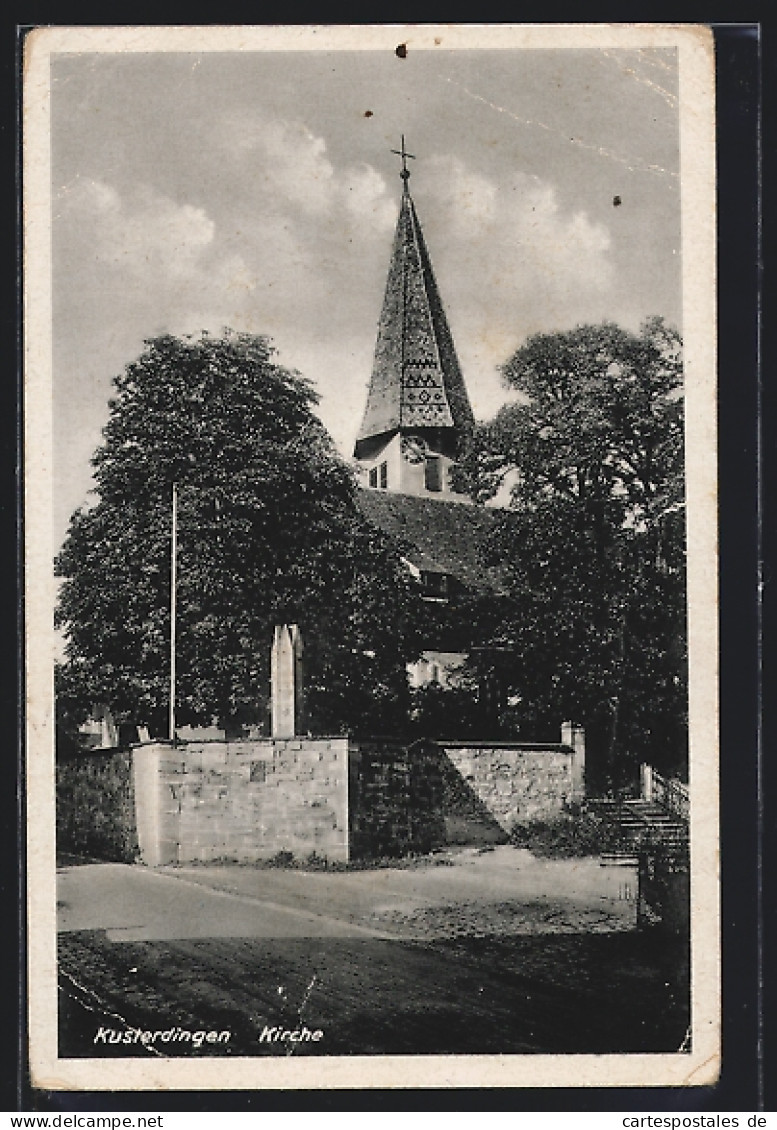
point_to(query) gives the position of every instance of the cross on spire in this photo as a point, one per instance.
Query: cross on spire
(405, 174)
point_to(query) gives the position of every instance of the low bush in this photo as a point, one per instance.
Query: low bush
(575, 833)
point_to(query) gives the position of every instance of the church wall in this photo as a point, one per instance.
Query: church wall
(413, 479)
(342, 799)
(396, 798)
(511, 784)
(244, 801)
(390, 455)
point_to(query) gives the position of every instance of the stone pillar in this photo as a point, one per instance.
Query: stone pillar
(574, 736)
(109, 735)
(148, 817)
(286, 682)
(157, 810)
(645, 782)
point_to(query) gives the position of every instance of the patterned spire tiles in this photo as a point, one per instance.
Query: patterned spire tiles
(416, 380)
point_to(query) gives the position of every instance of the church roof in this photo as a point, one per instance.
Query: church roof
(416, 379)
(437, 536)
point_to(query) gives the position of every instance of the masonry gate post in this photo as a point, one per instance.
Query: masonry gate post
(148, 815)
(574, 736)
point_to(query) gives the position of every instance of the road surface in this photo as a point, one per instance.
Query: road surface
(491, 953)
(503, 891)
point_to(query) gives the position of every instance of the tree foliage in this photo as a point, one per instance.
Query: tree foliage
(592, 548)
(268, 533)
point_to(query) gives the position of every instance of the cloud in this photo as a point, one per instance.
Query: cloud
(290, 173)
(504, 229)
(295, 165)
(510, 261)
(177, 269)
(366, 199)
(467, 200)
(143, 233)
(569, 247)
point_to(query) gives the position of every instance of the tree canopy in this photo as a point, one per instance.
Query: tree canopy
(268, 533)
(593, 545)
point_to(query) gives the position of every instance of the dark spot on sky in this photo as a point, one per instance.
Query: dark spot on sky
(401, 51)
(368, 113)
(616, 201)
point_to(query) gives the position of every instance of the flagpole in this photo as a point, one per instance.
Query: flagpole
(173, 585)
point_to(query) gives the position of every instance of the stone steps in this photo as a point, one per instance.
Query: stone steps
(642, 823)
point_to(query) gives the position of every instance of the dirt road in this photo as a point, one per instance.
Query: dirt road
(490, 953)
(504, 891)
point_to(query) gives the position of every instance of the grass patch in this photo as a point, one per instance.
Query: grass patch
(287, 861)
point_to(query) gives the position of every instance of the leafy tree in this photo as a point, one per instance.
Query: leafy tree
(268, 532)
(592, 547)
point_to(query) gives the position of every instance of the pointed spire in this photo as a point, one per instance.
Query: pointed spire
(416, 382)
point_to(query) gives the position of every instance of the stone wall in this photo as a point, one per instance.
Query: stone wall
(339, 798)
(495, 786)
(404, 799)
(243, 801)
(96, 807)
(395, 798)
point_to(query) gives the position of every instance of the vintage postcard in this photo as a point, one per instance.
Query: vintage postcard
(370, 507)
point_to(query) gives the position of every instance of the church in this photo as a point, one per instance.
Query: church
(417, 423)
(205, 797)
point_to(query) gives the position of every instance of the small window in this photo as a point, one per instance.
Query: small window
(383, 476)
(434, 586)
(433, 473)
(373, 476)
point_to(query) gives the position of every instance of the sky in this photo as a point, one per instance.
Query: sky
(258, 190)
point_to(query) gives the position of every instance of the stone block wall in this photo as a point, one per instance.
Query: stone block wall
(506, 785)
(417, 798)
(395, 798)
(243, 801)
(339, 798)
(96, 807)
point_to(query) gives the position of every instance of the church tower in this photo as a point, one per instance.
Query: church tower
(418, 418)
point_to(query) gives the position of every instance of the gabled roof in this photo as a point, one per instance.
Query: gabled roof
(416, 379)
(437, 536)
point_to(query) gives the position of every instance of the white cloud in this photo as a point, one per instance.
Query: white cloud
(501, 229)
(468, 200)
(142, 233)
(180, 272)
(290, 173)
(363, 191)
(510, 261)
(296, 166)
(567, 247)
(286, 163)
